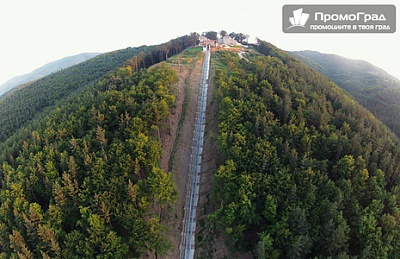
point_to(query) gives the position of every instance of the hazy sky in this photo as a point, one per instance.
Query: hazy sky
(35, 32)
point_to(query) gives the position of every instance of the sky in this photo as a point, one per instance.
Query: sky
(33, 33)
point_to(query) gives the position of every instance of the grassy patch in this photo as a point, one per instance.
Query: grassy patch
(192, 52)
(217, 60)
(186, 57)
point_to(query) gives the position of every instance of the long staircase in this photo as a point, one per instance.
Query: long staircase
(187, 247)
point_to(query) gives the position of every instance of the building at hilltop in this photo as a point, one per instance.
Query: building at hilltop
(227, 40)
(223, 41)
(204, 41)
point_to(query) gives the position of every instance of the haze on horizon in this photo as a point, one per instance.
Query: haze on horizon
(36, 33)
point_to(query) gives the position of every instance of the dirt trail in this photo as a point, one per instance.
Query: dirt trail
(179, 165)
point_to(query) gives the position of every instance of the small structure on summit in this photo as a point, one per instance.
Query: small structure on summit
(203, 41)
(227, 40)
(207, 43)
(210, 39)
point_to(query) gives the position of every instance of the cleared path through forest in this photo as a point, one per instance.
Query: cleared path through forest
(187, 247)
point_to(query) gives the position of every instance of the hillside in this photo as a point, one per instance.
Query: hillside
(304, 171)
(292, 165)
(24, 104)
(372, 87)
(92, 178)
(87, 180)
(45, 70)
(19, 108)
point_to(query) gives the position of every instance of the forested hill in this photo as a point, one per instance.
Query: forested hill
(375, 89)
(21, 106)
(45, 70)
(85, 181)
(306, 172)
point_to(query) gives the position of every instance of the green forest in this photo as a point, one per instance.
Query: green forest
(23, 110)
(82, 179)
(87, 183)
(306, 172)
(372, 87)
(18, 108)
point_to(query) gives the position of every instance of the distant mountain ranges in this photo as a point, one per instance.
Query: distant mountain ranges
(45, 70)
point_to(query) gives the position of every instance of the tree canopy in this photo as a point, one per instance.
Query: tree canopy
(306, 171)
(23, 108)
(372, 87)
(86, 183)
(239, 37)
(212, 35)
